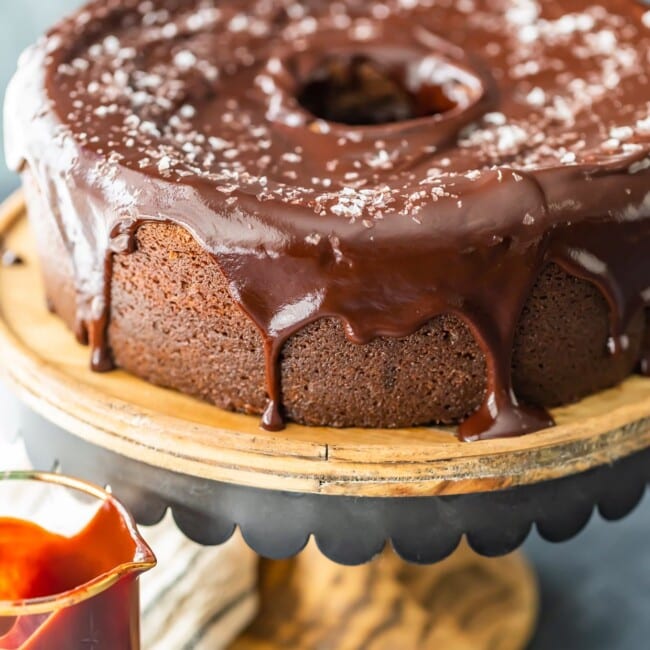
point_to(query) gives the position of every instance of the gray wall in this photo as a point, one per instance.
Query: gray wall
(21, 21)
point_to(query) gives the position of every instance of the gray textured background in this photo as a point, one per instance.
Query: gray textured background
(595, 589)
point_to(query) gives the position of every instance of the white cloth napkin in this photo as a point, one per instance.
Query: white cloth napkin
(197, 598)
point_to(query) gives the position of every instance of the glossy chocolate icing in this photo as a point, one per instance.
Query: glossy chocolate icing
(535, 149)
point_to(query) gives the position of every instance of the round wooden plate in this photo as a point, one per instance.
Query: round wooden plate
(41, 360)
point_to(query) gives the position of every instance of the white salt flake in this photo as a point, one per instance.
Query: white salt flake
(219, 144)
(510, 138)
(646, 19)
(498, 119)
(170, 30)
(621, 132)
(643, 126)
(536, 97)
(239, 23)
(612, 144)
(111, 45)
(523, 12)
(292, 158)
(379, 160)
(184, 60)
(164, 164)
(639, 166)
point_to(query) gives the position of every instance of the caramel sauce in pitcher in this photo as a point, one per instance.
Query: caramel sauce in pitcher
(38, 564)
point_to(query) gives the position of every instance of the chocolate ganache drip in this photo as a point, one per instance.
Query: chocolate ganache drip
(377, 162)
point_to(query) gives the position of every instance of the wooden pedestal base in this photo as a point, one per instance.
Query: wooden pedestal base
(466, 602)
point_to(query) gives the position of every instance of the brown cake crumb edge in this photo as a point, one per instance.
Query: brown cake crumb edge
(174, 324)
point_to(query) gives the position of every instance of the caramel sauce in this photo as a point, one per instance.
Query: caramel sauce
(35, 564)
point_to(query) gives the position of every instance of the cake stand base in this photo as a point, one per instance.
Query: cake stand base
(466, 602)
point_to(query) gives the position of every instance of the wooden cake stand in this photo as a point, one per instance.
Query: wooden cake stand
(354, 492)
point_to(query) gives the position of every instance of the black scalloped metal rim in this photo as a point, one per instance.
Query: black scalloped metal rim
(348, 530)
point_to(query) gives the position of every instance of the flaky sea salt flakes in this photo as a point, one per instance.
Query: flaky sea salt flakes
(380, 11)
(643, 126)
(603, 42)
(80, 64)
(611, 145)
(292, 158)
(495, 118)
(239, 23)
(172, 139)
(352, 203)
(295, 11)
(140, 98)
(525, 69)
(164, 164)
(293, 119)
(103, 111)
(149, 128)
(187, 111)
(522, 12)
(570, 23)
(639, 166)
(185, 60)
(561, 110)
(203, 18)
(169, 31)
(266, 84)
(379, 160)
(536, 97)
(646, 19)
(111, 45)
(132, 121)
(510, 138)
(621, 132)
(363, 31)
(127, 53)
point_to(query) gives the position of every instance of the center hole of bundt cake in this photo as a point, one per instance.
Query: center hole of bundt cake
(358, 90)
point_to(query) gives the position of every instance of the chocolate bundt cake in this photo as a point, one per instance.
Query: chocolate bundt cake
(354, 213)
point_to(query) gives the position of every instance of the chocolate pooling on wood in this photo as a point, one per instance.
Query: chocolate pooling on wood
(495, 137)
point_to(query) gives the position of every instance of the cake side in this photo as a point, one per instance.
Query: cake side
(174, 323)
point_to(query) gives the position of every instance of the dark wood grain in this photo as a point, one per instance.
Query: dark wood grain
(464, 603)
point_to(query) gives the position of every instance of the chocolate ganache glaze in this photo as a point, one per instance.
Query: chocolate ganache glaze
(376, 162)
